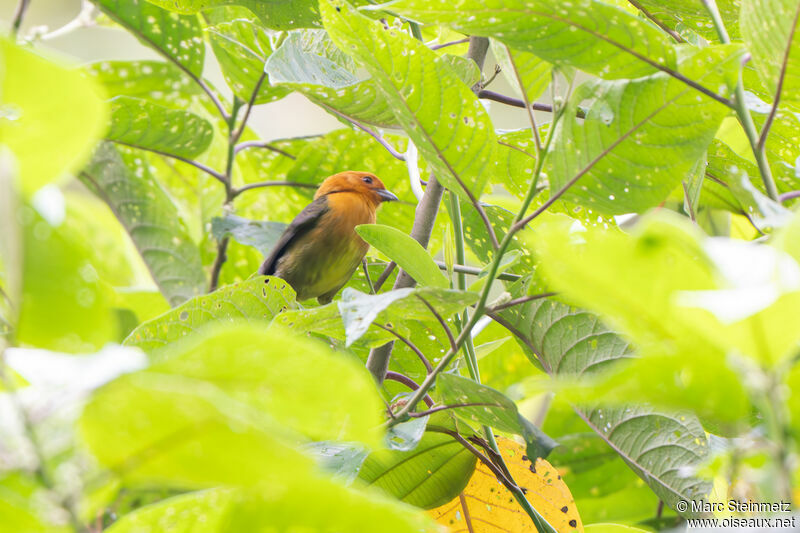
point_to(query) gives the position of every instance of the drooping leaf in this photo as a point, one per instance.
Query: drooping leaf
(486, 505)
(406, 252)
(255, 233)
(177, 37)
(593, 36)
(150, 218)
(258, 299)
(32, 118)
(769, 28)
(449, 125)
(427, 476)
(242, 47)
(141, 124)
(629, 139)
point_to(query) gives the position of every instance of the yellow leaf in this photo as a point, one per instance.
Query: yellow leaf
(486, 506)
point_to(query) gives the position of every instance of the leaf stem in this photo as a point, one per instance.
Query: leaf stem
(520, 301)
(524, 91)
(672, 33)
(451, 43)
(239, 190)
(262, 144)
(208, 170)
(19, 15)
(408, 382)
(410, 344)
(366, 129)
(740, 106)
(516, 102)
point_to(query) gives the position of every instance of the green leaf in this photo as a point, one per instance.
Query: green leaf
(70, 311)
(32, 118)
(593, 36)
(161, 83)
(640, 137)
(342, 460)
(245, 360)
(769, 28)
(141, 124)
(404, 251)
(428, 476)
(694, 16)
(307, 503)
(522, 67)
(242, 47)
(445, 120)
(258, 299)
(255, 233)
(274, 14)
(150, 218)
(515, 161)
(500, 413)
(406, 435)
(360, 310)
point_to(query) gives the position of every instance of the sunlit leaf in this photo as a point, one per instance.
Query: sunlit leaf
(162, 83)
(273, 14)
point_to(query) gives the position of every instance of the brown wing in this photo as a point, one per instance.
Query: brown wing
(302, 224)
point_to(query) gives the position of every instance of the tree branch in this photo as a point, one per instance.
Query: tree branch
(506, 276)
(516, 102)
(239, 190)
(19, 15)
(420, 414)
(262, 144)
(208, 170)
(408, 382)
(375, 135)
(451, 43)
(238, 133)
(519, 301)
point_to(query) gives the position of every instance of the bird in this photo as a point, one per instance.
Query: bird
(320, 249)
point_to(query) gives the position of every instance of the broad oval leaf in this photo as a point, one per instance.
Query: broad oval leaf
(404, 251)
(445, 120)
(31, 118)
(258, 299)
(157, 81)
(428, 476)
(177, 37)
(591, 35)
(141, 124)
(150, 218)
(273, 14)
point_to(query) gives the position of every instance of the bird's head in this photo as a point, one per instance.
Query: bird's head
(363, 183)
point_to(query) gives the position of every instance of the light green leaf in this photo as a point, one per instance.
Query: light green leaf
(360, 310)
(32, 119)
(515, 161)
(445, 120)
(522, 67)
(500, 412)
(304, 379)
(161, 83)
(342, 460)
(274, 14)
(640, 137)
(177, 37)
(242, 47)
(404, 251)
(258, 299)
(150, 218)
(693, 15)
(406, 435)
(428, 476)
(255, 233)
(141, 124)
(593, 36)
(307, 503)
(770, 30)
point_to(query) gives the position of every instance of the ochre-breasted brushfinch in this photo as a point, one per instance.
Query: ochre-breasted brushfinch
(320, 249)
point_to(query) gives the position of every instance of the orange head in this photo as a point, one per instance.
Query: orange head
(365, 184)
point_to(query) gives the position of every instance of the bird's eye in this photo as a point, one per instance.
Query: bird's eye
(367, 179)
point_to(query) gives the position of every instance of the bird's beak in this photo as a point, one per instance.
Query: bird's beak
(386, 196)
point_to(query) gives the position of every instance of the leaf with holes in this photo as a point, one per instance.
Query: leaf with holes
(593, 36)
(258, 300)
(242, 47)
(159, 82)
(141, 124)
(446, 121)
(177, 37)
(770, 30)
(404, 251)
(640, 137)
(427, 476)
(274, 14)
(150, 218)
(486, 505)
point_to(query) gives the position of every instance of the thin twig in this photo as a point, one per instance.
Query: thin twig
(238, 133)
(420, 414)
(762, 139)
(791, 195)
(675, 35)
(523, 90)
(208, 170)
(408, 382)
(516, 102)
(441, 321)
(262, 144)
(366, 275)
(385, 275)
(687, 195)
(519, 301)
(239, 190)
(407, 342)
(19, 14)
(451, 43)
(505, 276)
(366, 129)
